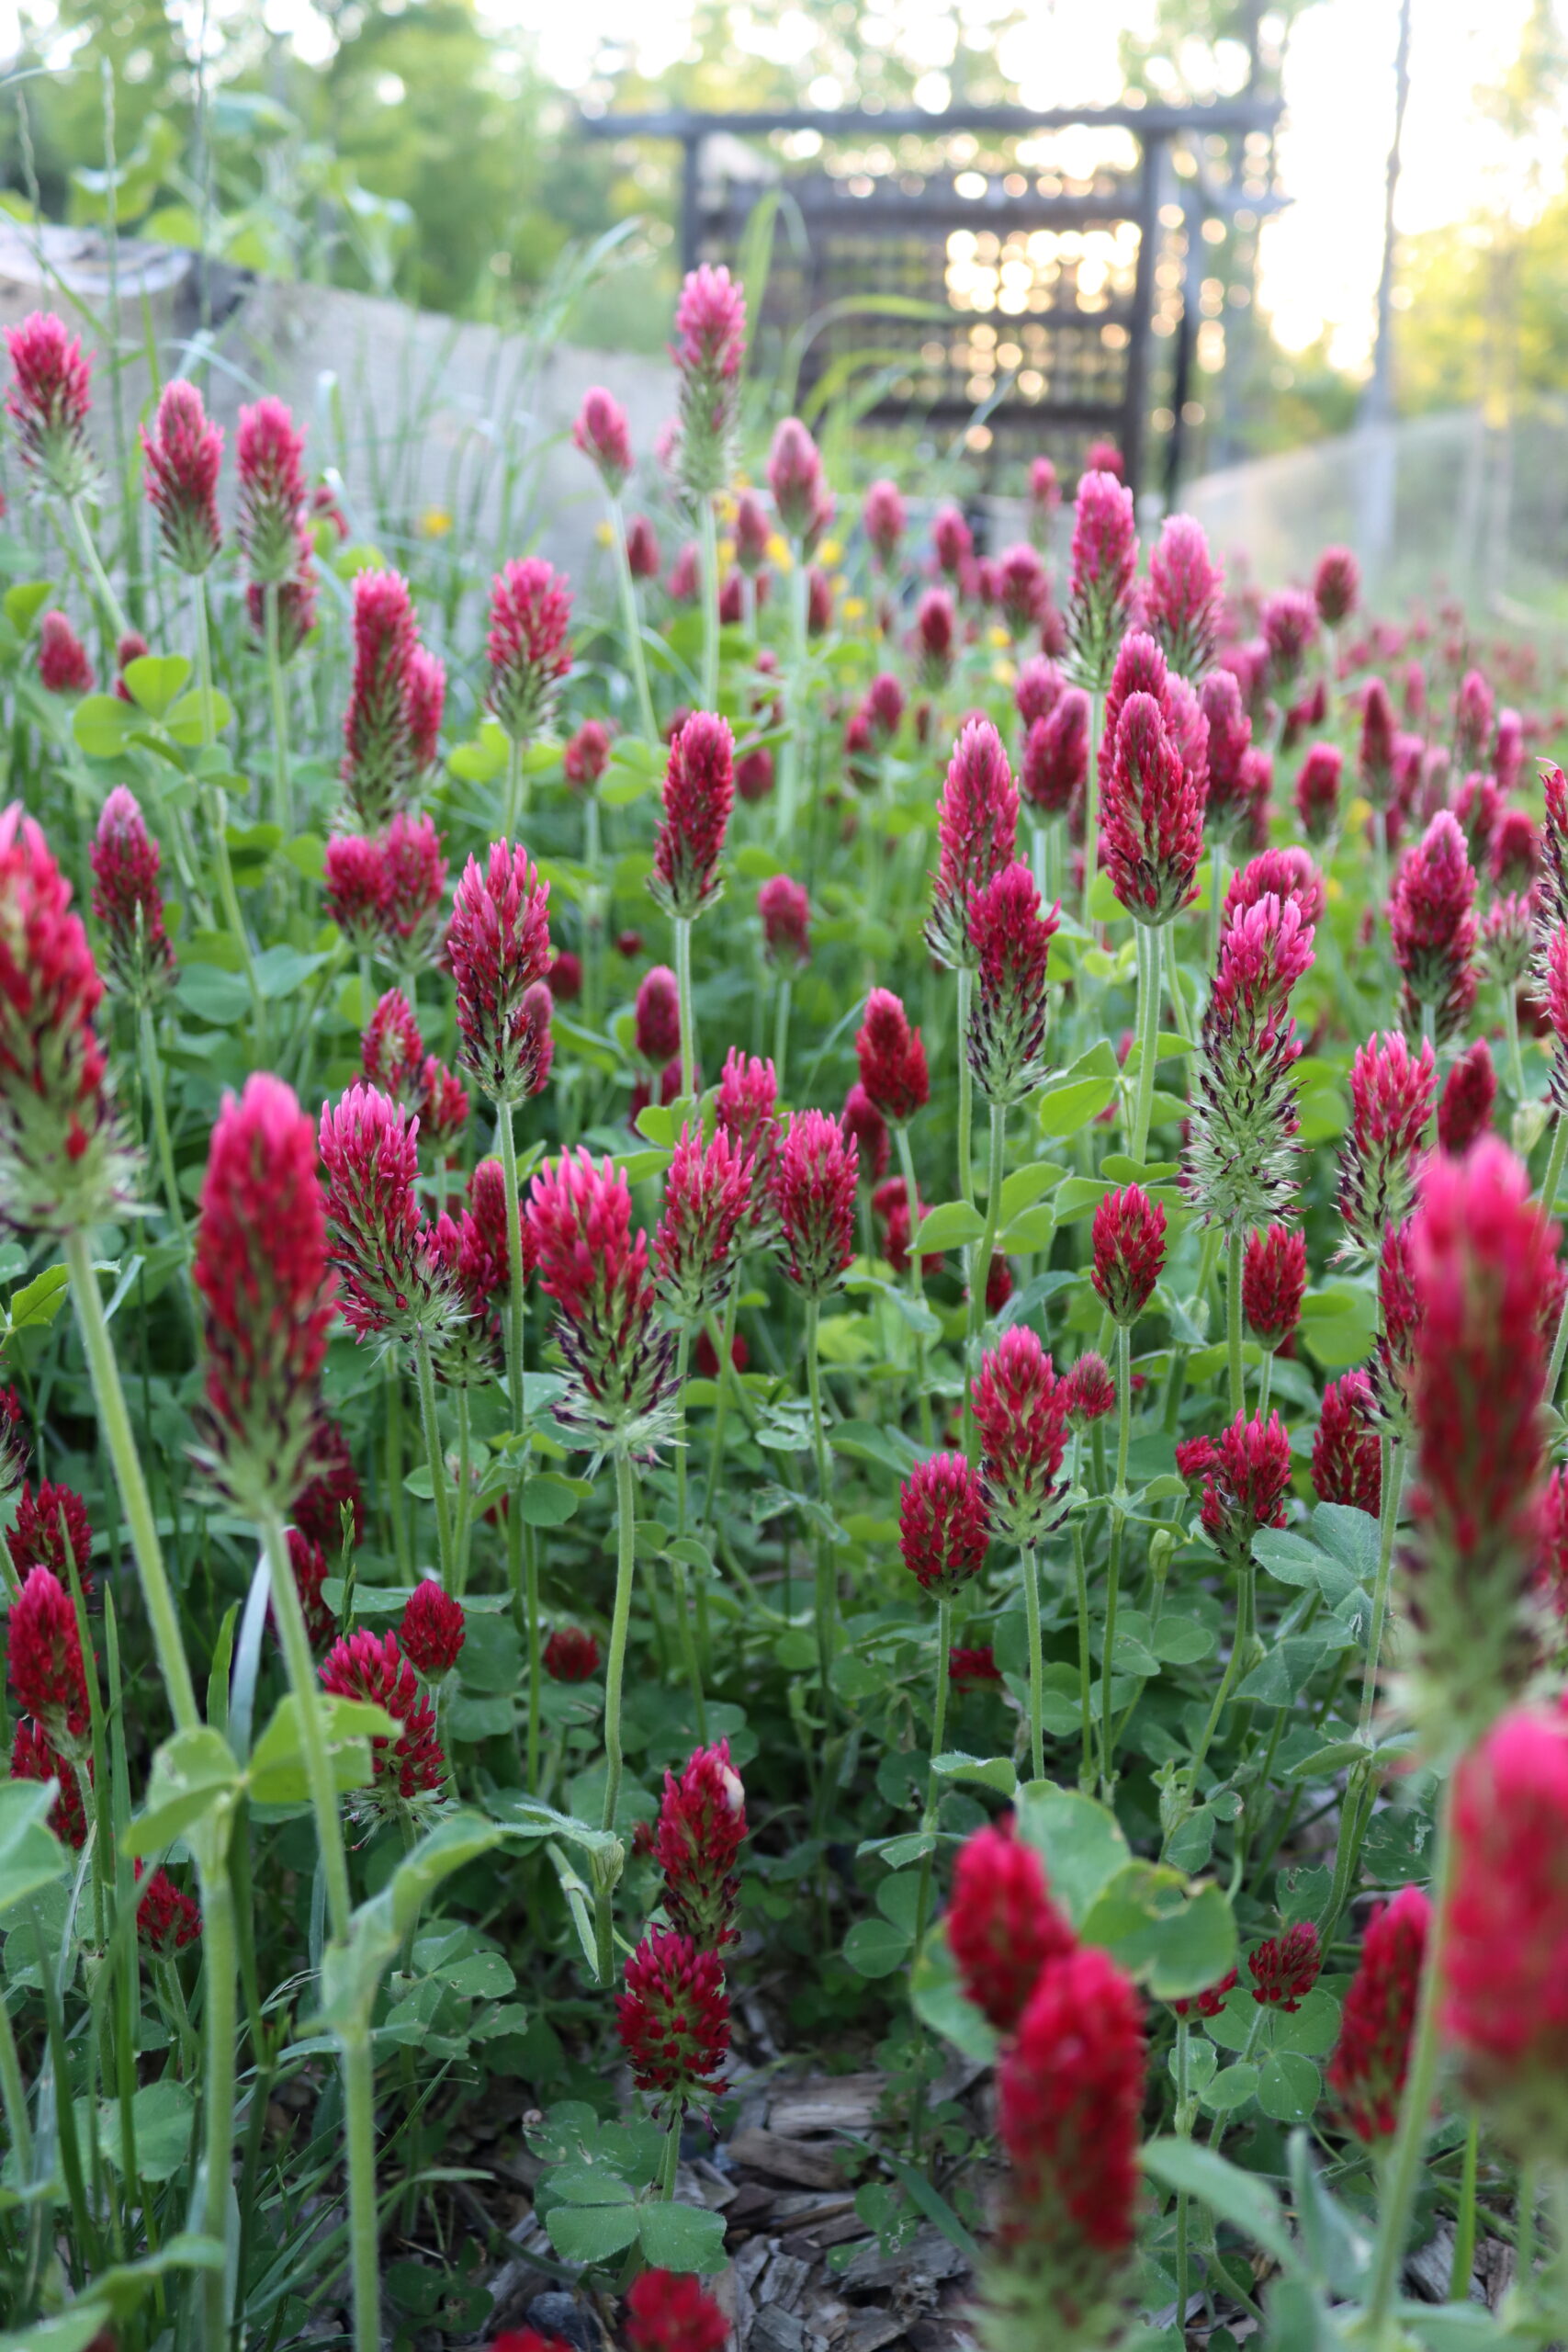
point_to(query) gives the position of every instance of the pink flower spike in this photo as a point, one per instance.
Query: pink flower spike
(260, 1268)
(1346, 1460)
(786, 912)
(49, 401)
(1366, 2071)
(1336, 585)
(795, 477)
(183, 456)
(936, 629)
(1129, 1252)
(433, 1631)
(699, 794)
(1105, 558)
(1152, 817)
(813, 1186)
(674, 2020)
(977, 836)
(1317, 791)
(707, 1205)
(892, 1059)
(63, 666)
(270, 453)
(620, 1359)
(530, 613)
(601, 433)
(1011, 934)
(700, 1829)
(1247, 1477)
(1464, 1112)
(126, 898)
(378, 761)
(391, 1285)
(410, 1772)
(885, 521)
(1021, 1411)
(1273, 1284)
(710, 327)
(1055, 755)
(1002, 1927)
(498, 944)
(944, 1525)
(44, 1663)
(1185, 598)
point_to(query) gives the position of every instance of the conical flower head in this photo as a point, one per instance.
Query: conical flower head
(602, 434)
(1228, 809)
(1483, 1256)
(530, 613)
(786, 912)
(1069, 2097)
(700, 1829)
(667, 2312)
(44, 1664)
(1464, 1110)
(1152, 817)
(182, 457)
(795, 477)
(407, 1772)
(1241, 1154)
(977, 836)
(589, 1262)
(1285, 1968)
(433, 1631)
(1129, 1252)
(63, 1167)
(1432, 924)
(1105, 561)
(1502, 1991)
(815, 1178)
(392, 1284)
(699, 794)
(1021, 1410)
(892, 1059)
(270, 453)
(708, 1205)
(1273, 1284)
(1184, 601)
(127, 901)
(378, 766)
(260, 1268)
(884, 520)
(1371, 2058)
(1289, 621)
(1335, 586)
(1025, 591)
(1011, 934)
(498, 944)
(1391, 1110)
(35, 1758)
(936, 628)
(943, 1525)
(1317, 790)
(1002, 1927)
(1346, 1460)
(51, 1530)
(1055, 754)
(48, 402)
(1247, 1477)
(673, 2019)
(710, 345)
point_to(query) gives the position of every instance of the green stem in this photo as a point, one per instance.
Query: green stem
(1091, 803)
(670, 2159)
(363, 2230)
(678, 1567)
(153, 1066)
(1113, 1574)
(1149, 1038)
(782, 1002)
(101, 581)
(229, 900)
(1416, 2107)
(513, 805)
(631, 623)
(115, 1424)
(1553, 1175)
(916, 1272)
(520, 1535)
(939, 1735)
(465, 1493)
(709, 528)
(1391, 1468)
(1465, 2226)
(980, 1268)
(1029, 1564)
(282, 797)
(433, 1456)
(396, 1511)
(727, 1377)
(204, 663)
(14, 2096)
(827, 1593)
(1511, 1024)
(1234, 1254)
(965, 1083)
(614, 1669)
(683, 993)
(219, 1977)
(1178, 1012)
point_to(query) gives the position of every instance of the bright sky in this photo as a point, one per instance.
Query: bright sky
(1320, 260)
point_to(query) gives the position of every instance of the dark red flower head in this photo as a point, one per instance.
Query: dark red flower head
(1290, 624)
(182, 455)
(936, 627)
(48, 402)
(1129, 1252)
(785, 911)
(814, 1184)
(860, 1119)
(702, 1827)
(530, 613)
(977, 836)
(587, 753)
(50, 1525)
(1184, 601)
(795, 477)
(1366, 2071)
(1282, 874)
(1002, 1927)
(270, 452)
(498, 944)
(1091, 1392)
(892, 1059)
(63, 666)
(944, 1525)
(1010, 933)
(127, 901)
(1273, 1284)
(1152, 817)
(1335, 586)
(707, 1207)
(1055, 754)
(885, 521)
(432, 1634)
(597, 1270)
(1346, 1461)
(969, 1669)
(34, 1758)
(1105, 561)
(1021, 1410)
(667, 2312)
(1317, 790)
(308, 1567)
(1247, 1477)
(1285, 1968)
(601, 433)
(571, 1655)
(44, 1662)
(642, 549)
(166, 1919)
(1432, 922)
(699, 793)
(391, 1284)
(674, 2019)
(411, 1767)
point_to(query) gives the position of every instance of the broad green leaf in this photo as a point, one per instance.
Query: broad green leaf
(194, 1777)
(1232, 2090)
(529, 1818)
(989, 1773)
(350, 1975)
(25, 601)
(74, 2331)
(278, 1774)
(1027, 1185)
(1232, 2195)
(1066, 1110)
(1079, 1840)
(184, 720)
(103, 725)
(161, 2115)
(38, 1301)
(30, 1854)
(282, 971)
(215, 996)
(1289, 2086)
(682, 2237)
(876, 1947)
(548, 1502)
(950, 1225)
(591, 2232)
(154, 680)
(1176, 1944)
(1312, 2030)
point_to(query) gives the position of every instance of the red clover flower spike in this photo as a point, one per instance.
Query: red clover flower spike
(708, 1206)
(1391, 1110)
(1366, 2071)
(182, 456)
(1105, 559)
(1346, 1458)
(1025, 590)
(47, 1674)
(1037, 689)
(498, 944)
(674, 2020)
(669, 2313)
(571, 1655)
(1502, 1991)
(884, 520)
(530, 613)
(1002, 1926)
(62, 1166)
(1241, 1155)
(1337, 586)
(977, 836)
(1021, 1411)
(63, 665)
(1011, 934)
(815, 1179)
(35, 1758)
(1433, 925)
(658, 1016)
(700, 1829)
(1285, 1968)
(49, 1520)
(786, 912)
(1290, 625)
(432, 1633)
(1286, 873)
(699, 794)
(166, 1919)
(1228, 808)
(794, 478)
(378, 761)
(1055, 754)
(259, 1269)
(1069, 2096)
(1483, 1256)
(1129, 1252)
(892, 1059)
(936, 626)
(1464, 1108)
(48, 402)
(391, 1284)
(270, 454)
(407, 1773)
(1247, 1477)
(127, 902)
(1273, 1284)
(601, 433)
(620, 1360)
(860, 1119)
(710, 328)
(943, 1525)
(1152, 817)
(1184, 602)
(1317, 790)
(308, 1567)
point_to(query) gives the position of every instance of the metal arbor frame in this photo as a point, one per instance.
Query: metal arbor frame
(1084, 355)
